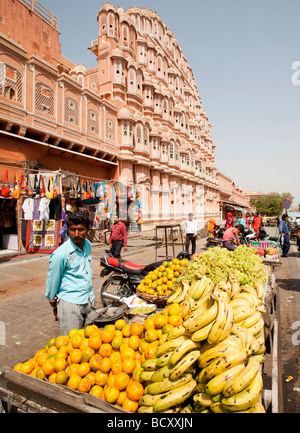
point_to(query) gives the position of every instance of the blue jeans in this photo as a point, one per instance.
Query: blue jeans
(286, 245)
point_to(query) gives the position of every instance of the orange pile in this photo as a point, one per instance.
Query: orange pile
(104, 362)
(160, 281)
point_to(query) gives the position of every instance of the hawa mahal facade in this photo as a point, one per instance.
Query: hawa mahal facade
(136, 117)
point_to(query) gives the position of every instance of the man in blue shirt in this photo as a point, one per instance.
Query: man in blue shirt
(284, 235)
(69, 281)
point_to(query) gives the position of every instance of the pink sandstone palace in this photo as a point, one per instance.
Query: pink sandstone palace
(136, 117)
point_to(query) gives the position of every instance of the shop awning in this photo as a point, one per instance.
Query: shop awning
(60, 149)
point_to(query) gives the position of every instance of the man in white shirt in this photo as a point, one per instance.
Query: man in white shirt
(191, 233)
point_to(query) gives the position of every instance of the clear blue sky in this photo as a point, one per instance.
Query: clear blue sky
(241, 53)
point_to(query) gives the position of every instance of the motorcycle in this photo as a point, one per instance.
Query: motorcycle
(217, 239)
(124, 277)
(245, 238)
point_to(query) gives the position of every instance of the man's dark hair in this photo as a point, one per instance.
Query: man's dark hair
(240, 227)
(75, 218)
(284, 217)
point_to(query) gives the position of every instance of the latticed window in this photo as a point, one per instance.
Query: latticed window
(44, 98)
(146, 136)
(10, 82)
(92, 121)
(110, 129)
(139, 134)
(171, 150)
(125, 129)
(71, 111)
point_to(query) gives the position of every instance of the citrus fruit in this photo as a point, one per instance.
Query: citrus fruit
(119, 325)
(51, 342)
(135, 390)
(95, 340)
(160, 321)
(75, 356)
(42, 358)
(52, 377)
(126, 331)
(126, 353)
(84, 385)
(116, 366)
(94, 362)
(121, 398)
(87, 353)
(89, 330)
(128, 365)
(83, 369)
(105, 365)
(130, 405)
(105, 350)
(101, 378)
(111, 394)
(121, 381)
(40, 374)
(134, 342)
(96, 390)
(27, 367)
(48, 367)
(117, 342)
(91, 376)
(61, 341)
(175, 320)
(150, 335)
(107, 335)
(60, 364)
(61, 378)
(76, 341)
(73, 381)
(149, 324)
(72, 369)
(136, 329)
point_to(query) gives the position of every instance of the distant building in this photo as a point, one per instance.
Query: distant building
(135, 117)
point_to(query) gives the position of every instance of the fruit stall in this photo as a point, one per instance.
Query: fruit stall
(202, 350)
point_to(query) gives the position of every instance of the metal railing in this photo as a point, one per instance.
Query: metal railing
(41, 11)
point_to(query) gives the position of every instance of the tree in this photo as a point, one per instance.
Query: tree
(270, 204)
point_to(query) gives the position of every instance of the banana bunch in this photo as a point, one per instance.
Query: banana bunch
(211, 363)
(170, 375)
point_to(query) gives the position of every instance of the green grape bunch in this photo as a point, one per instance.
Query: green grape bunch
(217, 263)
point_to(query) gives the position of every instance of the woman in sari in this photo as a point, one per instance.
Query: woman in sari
(229, 221)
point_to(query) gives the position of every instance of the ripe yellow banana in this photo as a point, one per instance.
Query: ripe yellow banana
(231, 340)
(161, 374)
(145, 409)
(241, 314)
(149, 399)
(261, 358)
(203, 320)
(202, 399)
(245, 336)
(175, 397)
(218, 408)
(235, 288)
(178, 331)
(196, 283)
(247, 297)
(259, 287)
(256, 408)
(146, 375)
(149, 365)
(251, 320)
(211, 354)
(181, 350)
(202, 333)
(221, 364)
(170, 345)
(216, 385)
(220, 294)
(246, 398)
(185, 308)
(205, 305)
(164, 359)
(175, 295)
(167, 384)
(257, 327)
(185, 290)
(200, 387)
(236, 303)
(249, 289)
(184, 364)
(200, 288)
(217, 327)
(243, 379)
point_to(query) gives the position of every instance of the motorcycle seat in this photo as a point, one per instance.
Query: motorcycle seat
(125, 265)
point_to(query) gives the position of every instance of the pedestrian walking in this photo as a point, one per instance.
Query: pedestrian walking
(284, 235)
(118, 238)
(69, 284)
(190, 233)
(241, 220)
(232, 234)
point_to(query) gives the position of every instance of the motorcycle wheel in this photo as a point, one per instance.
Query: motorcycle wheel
(115, 285)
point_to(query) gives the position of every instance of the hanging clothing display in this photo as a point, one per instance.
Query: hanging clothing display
(42, 236)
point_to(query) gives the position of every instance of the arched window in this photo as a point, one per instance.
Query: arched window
(138, 134)
(10, 82)
(71, 111)
(146, 136)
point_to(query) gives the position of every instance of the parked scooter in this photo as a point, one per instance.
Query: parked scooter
(217, 239)
(124, 277)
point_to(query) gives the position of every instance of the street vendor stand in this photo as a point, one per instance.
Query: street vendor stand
(172, 229)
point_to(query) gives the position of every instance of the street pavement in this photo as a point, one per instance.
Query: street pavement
(27, 321)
